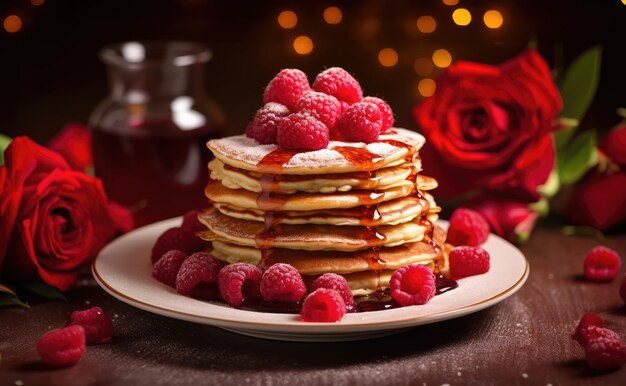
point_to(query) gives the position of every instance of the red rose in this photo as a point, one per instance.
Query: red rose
(489, 127)
(614, 145)
(52, 218)
(512, 220)
(73, 142)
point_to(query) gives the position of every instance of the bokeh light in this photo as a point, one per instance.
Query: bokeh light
(332, 15)
(303, 45)
(493, 19)
(426, 87)
(426, 24)
(461, 16)
(37, 2)
(423, 66)
(287, 19)
(442, 58)
(12, 23)
(388, 57)
(450, 2)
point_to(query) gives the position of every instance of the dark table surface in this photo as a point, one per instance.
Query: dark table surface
(523, 340)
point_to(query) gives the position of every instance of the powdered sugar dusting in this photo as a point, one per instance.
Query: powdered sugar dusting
(276, 108)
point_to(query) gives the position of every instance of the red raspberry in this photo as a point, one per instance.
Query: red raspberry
(282, 283)
(323, 107)
(63, 346)
(385, 110)
(622, 289)
(182, 239)
(361, 122)
(286, 88)
(197, 276)
(97, 324)
(467, 227)
(265, 123)
(323, 305)
(166, 269)
(339, 83)
(191, 222)
(601, 264)
(468, 261)
(339, 284)
(605, 354)
(238, 282)
(412, 284)
(589, 319)
(592, 333)
(302, 131)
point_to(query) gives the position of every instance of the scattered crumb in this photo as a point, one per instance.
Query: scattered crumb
(548, 384)
(87, 302)
(19, 382)
(518, 325)
(445, 384)
(458, 373)
(524, 375)
(115, 315)
(551, 276)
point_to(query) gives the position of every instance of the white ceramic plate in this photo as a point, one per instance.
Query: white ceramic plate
(124, 270)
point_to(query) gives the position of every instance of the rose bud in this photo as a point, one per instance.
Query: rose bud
(512, 220)
(614, 145)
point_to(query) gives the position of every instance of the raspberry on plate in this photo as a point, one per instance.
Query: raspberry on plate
(385, 110)
(183, 239)
(63, 346)
(468, 261)
(339, 83)
(361, 122)
(302, 131)
(97, 324)
(166, 269)
(325, 108)
(323, 305)
(605, 354)
(412, 284)
(282, 283)
(467, 227)
(197, 276)
(265, 123)
(239, 281)
(339, 284)
(601, 264)
(286, 88)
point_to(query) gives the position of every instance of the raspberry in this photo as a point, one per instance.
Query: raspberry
(605, 354)
(302, 131)
(197, 276)
(323, 107)
(339, 83)
(601, 264)
(385, 110)
(166, 269)
(97, 324)
(467, 227)
(468, 261)
(283, 283)
(589, 319)
(622, 289)
(361, 122)
(592, 333)
(265, 123)
(412, 284)
(238, 282)
(339, 284)
(191, 222)
(182, 239)
(63, 346)
(323, 305)
(286, 88)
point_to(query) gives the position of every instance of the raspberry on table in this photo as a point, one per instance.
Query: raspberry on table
(468, 261)
(323, 305)
(385, 110)
(286, 88)
(325, 108)
(339, 83)
(605, 354)
(97, 324)
(191, 222)
(265, 123)
(282, 283)
(580, 332)
(179, 238)
(592, 333)
(339, 284)
(467, 227)
(412, 284)
(166, 269)
(239, 281)
(361, 122)
(602, 264)
(302, 131)
(63, 346)
(197, 276)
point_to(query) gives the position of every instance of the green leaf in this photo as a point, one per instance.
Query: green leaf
(577, 157)
(9, 300)
(4, 143)
(576, 230)
(42, 289)
(6, 290)
(552, 184)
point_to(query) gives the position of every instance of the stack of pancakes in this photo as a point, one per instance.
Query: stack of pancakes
(359, 210)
